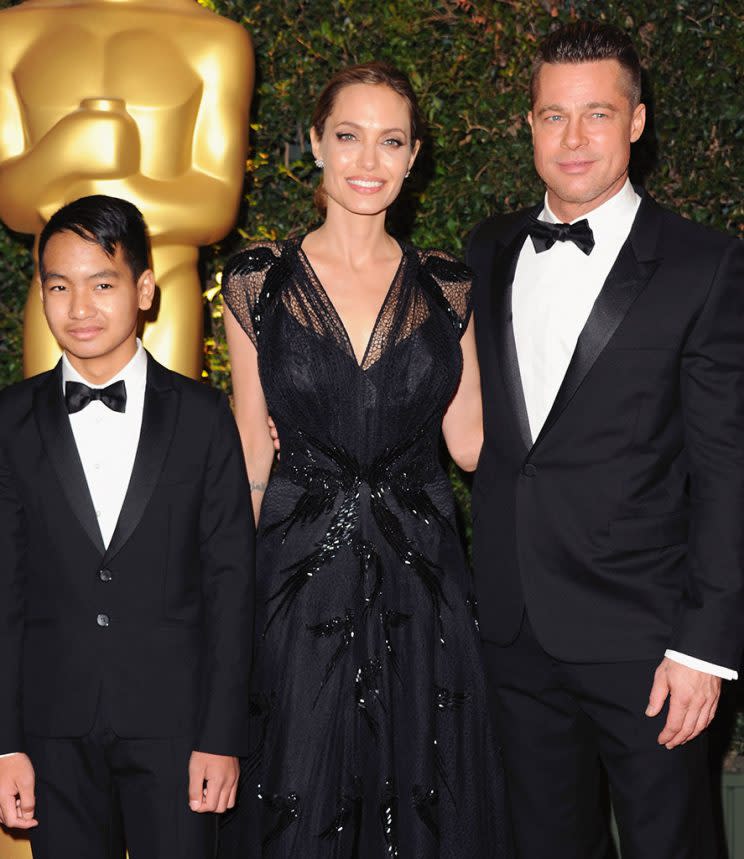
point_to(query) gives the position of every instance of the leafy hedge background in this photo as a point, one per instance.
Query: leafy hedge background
(470, 63)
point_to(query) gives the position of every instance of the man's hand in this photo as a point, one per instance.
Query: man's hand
(220, 773)
(693, 698)
(17, 801)
(274, 434)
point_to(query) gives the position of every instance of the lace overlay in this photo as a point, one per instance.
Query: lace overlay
(371, 734)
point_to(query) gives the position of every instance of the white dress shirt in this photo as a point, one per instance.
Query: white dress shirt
(107, 441)
(552, 296)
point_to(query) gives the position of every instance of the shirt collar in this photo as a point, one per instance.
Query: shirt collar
(613, 218)
(134, 373)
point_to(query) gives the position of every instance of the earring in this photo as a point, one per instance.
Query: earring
(319, 163)
(408, 173)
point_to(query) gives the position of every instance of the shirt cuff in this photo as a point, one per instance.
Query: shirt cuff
(700, 665)
(10, 754)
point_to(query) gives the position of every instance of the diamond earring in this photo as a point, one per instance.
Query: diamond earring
(319, 163)
(408, 173)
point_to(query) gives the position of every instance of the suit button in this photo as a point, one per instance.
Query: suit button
(103, 620)
(529, 470)
(105, 575)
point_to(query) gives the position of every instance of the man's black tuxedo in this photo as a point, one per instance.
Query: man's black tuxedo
(175, 584)
(613, 536)
(620, 526)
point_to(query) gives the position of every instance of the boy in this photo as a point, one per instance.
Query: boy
(126, 539)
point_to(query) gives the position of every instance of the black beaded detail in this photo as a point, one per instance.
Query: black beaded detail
(425, 802)
(389, 818)
(348, 817)
(472, 603)
(287, 811)
(390, 473)
(339, 534)
(336, 626)
(447, 700)
(391, 620)
(367, 691)
(369, 563)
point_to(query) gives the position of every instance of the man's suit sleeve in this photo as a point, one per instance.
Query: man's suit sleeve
(227, 562)
(473, 248)
(12, 602)
(478, 251)
(712, 390)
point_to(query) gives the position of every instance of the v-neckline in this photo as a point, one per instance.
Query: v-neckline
(337, 316)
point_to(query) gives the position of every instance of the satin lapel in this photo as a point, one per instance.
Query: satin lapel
(626, 280)
(59, 443)
(504, 267)
(158, 422)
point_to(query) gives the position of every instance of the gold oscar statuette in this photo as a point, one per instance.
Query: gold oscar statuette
(141, 99)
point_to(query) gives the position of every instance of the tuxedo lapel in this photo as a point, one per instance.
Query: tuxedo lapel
(504, 267)
(59, 443)
(158, 423)
(628, 277)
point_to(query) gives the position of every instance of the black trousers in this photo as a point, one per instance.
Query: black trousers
(98, 792)
(558, 723)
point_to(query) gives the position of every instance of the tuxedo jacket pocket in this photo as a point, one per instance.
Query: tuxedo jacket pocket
(649, 532)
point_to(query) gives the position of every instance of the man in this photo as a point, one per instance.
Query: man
(126, 580)
(609, 495)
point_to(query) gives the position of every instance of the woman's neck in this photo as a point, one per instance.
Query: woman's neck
(353, 239)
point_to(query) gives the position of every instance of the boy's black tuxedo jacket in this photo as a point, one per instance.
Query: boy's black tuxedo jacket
(621, 527)
(176, 580)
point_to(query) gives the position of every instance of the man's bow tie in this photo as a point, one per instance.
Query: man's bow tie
(545, 234)
(78, 395)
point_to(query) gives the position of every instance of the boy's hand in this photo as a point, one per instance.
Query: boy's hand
(274, 434)
(17, 801)
(220, 773)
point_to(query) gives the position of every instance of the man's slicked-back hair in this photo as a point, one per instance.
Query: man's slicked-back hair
(588, 42)
(108, 222)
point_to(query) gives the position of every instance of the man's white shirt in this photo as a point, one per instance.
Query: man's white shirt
(552, 296)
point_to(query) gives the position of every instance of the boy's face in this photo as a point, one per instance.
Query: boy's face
(91, 302)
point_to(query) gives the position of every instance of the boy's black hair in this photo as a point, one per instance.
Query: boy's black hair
(106, 221)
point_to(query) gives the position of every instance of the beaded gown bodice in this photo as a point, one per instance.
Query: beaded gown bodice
(369, 701)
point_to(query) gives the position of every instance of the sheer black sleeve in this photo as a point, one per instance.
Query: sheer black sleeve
(450, 282)
(247, 281)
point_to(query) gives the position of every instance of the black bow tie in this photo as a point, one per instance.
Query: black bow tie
(78, 395)
(545, 234)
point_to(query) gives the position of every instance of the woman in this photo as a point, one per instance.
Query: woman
(372, 735)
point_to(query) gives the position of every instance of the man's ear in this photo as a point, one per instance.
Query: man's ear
(146, 289)
(638, 122)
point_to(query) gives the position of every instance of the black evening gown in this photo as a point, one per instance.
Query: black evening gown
(372, 737)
